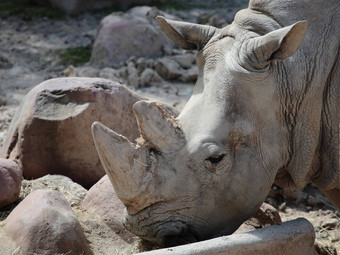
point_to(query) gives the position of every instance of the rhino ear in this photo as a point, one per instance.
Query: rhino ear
(188, 36)
(279, 44)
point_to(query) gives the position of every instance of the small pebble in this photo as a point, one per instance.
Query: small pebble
(330, 224)
(335, 237)
(283, 206)
(324, 234)
(309, 208)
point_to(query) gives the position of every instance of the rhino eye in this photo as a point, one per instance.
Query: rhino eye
(211, 162)
(216, 158)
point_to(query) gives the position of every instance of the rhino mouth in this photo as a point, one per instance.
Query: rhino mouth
(175, 233)
(185, 237)
(176, 230)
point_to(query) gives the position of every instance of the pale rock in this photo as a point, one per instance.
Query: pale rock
(322, 249)
(190, 75)
(143, 63)
(10, 182)
(148, 77)
(186, 61)
(123, 72)
(43, 223)
(133, 76)
(331, 224)
(134, 33)
(2, 137)
(168, 68)
(70, 71)
(211, 19)
(87, 71)
(110, 73)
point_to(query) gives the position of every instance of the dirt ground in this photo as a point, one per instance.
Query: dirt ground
(30, 53)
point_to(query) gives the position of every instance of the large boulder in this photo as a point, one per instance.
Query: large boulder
(134, 33)
(78, 6)
(51, 131)
(43, 223)
(102, 200)
(10, 181)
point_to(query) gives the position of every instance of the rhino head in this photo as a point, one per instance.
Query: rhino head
(203, 173)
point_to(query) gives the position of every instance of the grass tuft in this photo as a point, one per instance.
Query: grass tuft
(75, 56)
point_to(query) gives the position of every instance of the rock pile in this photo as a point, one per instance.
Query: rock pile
(145, 72)
(133, 44)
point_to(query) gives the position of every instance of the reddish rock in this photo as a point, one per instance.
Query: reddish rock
(266, 216)
(102, 200)
(51, 131)
(43, 223)
(10, 182)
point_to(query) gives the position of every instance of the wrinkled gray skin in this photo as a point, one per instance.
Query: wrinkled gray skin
(264, 110)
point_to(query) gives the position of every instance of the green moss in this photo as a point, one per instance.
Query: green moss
(75, 56)
(27, 10)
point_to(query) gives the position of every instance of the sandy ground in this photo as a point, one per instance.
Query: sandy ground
(29, 55)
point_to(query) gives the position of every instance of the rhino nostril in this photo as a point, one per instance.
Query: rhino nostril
(216, 158)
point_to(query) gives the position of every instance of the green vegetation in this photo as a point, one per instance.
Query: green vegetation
(75, 56)
(27, 10)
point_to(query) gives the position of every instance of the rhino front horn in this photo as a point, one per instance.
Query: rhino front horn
(158, 127)
(124, 164)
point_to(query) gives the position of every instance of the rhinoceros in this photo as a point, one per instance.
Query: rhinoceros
(263, 111)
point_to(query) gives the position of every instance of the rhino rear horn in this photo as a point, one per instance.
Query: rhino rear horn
(188, 36)
(158, 127)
